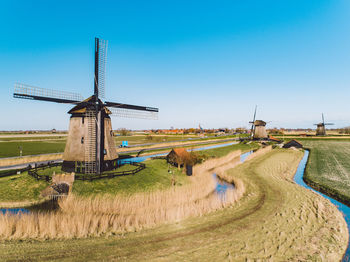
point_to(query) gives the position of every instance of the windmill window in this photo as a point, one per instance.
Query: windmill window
(82, 140)
(82, 120)
(111, 133)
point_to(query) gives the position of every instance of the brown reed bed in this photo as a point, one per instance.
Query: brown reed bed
(107, 215)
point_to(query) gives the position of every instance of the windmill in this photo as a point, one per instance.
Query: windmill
(258, 130)
(200, 128)
(90, 146)
(321, 127)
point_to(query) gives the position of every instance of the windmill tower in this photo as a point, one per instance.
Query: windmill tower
(258, 130)
(90, 146)
(321, 127)
(201, 130)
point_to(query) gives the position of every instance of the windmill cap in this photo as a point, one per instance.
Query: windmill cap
(82, 107)
(259, 123)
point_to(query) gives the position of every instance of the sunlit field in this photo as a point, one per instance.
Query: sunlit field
(328, 168)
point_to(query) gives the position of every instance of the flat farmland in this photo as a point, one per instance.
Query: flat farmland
(328, 169)
(34, 145)
(11, 148)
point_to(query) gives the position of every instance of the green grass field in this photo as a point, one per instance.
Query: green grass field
(144, 139)
(37, 138)
(154, 177)
(20, 188)
(276, 220)
(10, 149)
(25, 188)
(328, 169)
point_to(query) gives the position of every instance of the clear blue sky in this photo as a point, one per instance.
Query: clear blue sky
(205, 62)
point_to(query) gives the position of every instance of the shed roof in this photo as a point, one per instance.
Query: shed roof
(181, 152)
(274, 139)
(292, 143)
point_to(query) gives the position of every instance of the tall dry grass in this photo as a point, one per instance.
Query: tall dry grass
(29, 159)
(105, 215)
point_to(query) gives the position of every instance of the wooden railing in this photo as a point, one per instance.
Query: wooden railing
(14, 171)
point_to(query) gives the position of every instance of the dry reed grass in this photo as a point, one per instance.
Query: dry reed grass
(29, 159)
(106, 215)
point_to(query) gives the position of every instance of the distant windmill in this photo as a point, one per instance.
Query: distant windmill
(258, 130)
(321, 127)
(90, 146)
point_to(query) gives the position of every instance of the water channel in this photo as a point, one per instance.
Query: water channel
(298, 178)
(143, 158)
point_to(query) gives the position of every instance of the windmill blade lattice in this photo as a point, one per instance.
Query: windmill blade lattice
(101, 49)
(130, 113)
(36, 93)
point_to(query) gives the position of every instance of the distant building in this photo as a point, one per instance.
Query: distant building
(293, 143)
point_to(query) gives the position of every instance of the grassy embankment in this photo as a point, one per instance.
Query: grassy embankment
(20, 188)
(328, 168)
(275, 220)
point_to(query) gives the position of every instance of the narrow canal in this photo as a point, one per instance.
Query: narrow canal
(143, 158)
(221, 185)
(298, 178)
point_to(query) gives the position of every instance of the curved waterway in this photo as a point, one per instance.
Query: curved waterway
(298, 178)
(221, 185)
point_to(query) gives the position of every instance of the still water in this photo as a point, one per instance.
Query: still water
(14, 210)
(222, 186)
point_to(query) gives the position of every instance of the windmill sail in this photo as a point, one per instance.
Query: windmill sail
(252, 122)
(100, 66)
(36, 93)
(132, 111)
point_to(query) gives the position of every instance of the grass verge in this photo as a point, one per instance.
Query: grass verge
(328, 168)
